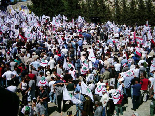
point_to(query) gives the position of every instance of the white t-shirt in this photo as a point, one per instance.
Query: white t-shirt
(24, 86)
(117, 67)
(51, 63)
(12, 88)
(151, 79)
(64, 51)
(8, 75)
(136, 71)
(51, 85)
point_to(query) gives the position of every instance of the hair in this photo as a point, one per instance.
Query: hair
(22, 78)
(52, 78)
(58, 77)
(41, 73)
(27, 77)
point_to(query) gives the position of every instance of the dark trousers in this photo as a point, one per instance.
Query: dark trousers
(59, 100)
(24, 97)
(135, 102)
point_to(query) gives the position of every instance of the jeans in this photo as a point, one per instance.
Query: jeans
(46, 107)
(52, 97)
(103, 111)
(1, 82)
(79, 107)
(135, 102)
(117, 108)
(131, 92)
(59, 100)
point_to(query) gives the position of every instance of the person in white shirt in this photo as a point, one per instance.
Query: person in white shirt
(51, 63)
(12, 64)
(117, 66)
(151, 79)
(12, 88)
(52, 93)
(104, 100)
(8, 75)
(72, 72)
(64, 51)
(136, 71)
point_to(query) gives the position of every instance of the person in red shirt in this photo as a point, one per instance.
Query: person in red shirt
(144, 86)
(32, 76)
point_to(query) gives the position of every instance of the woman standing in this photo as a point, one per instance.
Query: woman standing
(23, 88)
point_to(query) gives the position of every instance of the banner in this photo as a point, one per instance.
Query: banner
(99, 89)
(68, 96)
(85, 90)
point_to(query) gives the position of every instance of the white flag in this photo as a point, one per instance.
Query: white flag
(85, 90)
(65, 64)
(68, 96)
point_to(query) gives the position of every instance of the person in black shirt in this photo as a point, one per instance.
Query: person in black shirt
(9, 102)
(43, 94)
(67, 76)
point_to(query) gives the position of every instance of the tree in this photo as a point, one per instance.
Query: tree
(102, 10)
(47, 7)
(124, 16)
(117, 15)
(141, 13)
(132, 13)
(72, 8)
(94, 8)
(150, 14)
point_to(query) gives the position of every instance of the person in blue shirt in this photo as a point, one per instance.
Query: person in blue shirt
(136, 94)
(80, 42)
(124, 61)
(79, 107)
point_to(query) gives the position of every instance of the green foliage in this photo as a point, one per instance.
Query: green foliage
(141, 13)
(150, 12)
(132, 12)
(122, 11)
(125, 13)
(117, 14)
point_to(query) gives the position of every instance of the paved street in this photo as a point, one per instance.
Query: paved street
(143, 110)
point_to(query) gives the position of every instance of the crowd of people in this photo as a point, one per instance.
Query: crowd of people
(97, 67)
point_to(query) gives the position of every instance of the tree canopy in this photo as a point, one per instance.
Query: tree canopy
(121, 11)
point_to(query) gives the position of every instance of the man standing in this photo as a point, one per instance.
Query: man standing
(79, 107)
(8, 75)
(51, 63)
(104, 100)
(31, 88)
(58, 85)
(44, 96)
(144, 86)
(52, 93)
(98, 111)
(136, 95)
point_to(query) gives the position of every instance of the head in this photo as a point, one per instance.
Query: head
(136, 81)
(52, 78)
(71, 68)
(79, 82)
(27, 78)
(101, 79)
(41, 88)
